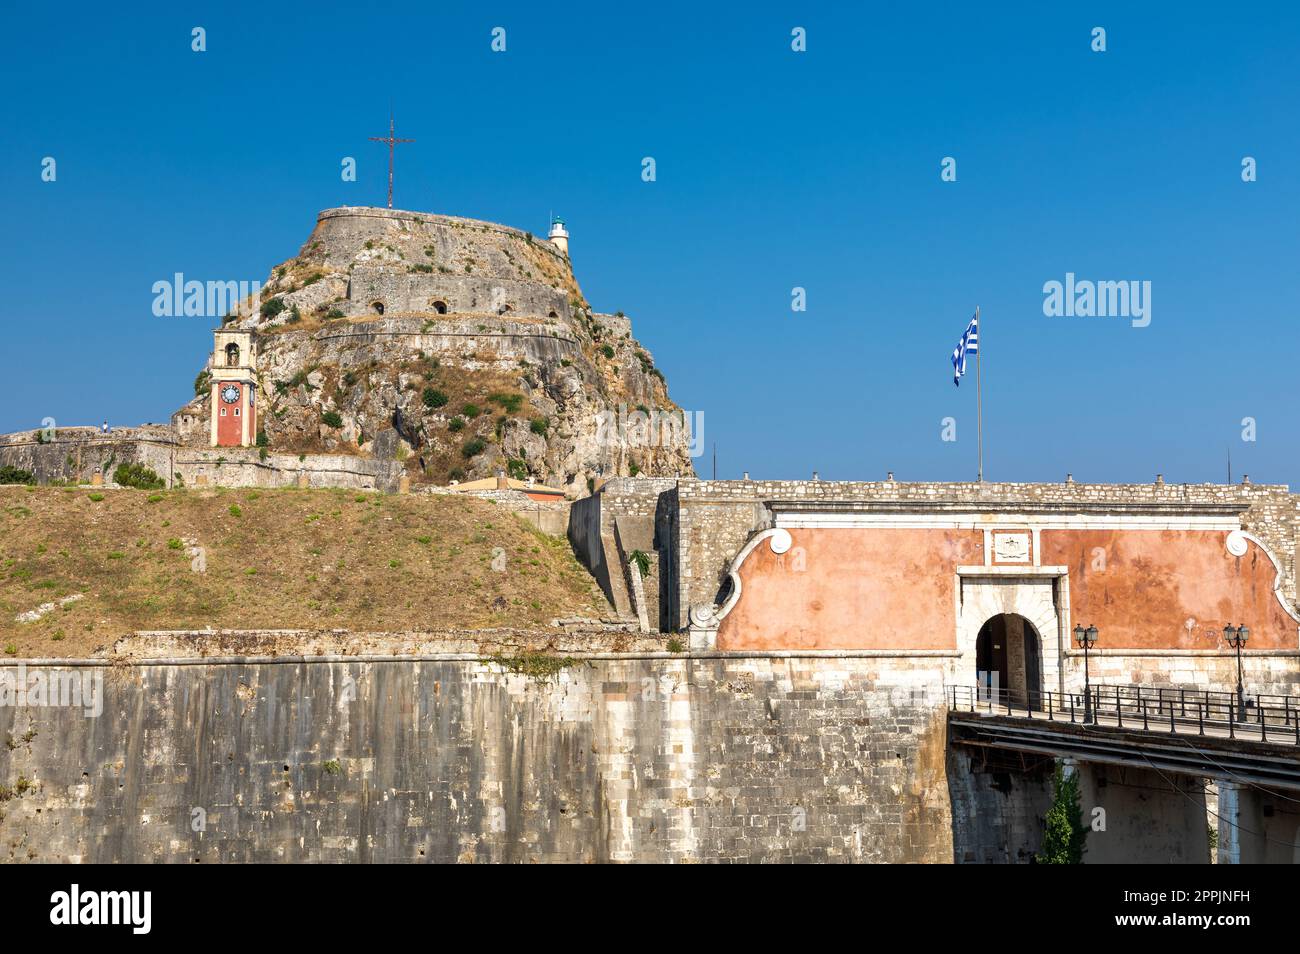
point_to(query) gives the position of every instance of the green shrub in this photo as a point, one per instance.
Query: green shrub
(538, 425)
(235, 511)
(174, 544)
(1064, 832)
(472, 447)
(456, 424)
(203, 383)
(471, 411)
(138, 476)
(97, 498)
(334, 313)
(641, 559)
(607, 351)
(517, 469)
(510, 402)
(261, 439)
(12, 475)
(332, 419)
(272, 307)
(433, 398)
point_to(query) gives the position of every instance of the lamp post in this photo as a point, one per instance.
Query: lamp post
(1086, 638)
(1237, 639)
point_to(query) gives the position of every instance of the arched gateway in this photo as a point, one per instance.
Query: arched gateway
(1009, 660)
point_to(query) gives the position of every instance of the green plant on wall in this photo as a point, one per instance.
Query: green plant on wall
(1064, 832)
(641, 559)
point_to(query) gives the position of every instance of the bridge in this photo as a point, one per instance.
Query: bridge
(1148, 757)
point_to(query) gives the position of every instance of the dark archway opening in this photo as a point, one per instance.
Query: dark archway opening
(1009, 660)
(378, 306)
(232, 355)
(440, 307)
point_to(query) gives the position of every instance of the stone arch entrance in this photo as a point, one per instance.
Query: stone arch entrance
(1009, 659)
(1034, 594)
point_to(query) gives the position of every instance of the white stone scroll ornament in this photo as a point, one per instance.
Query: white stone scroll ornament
(1238, 544)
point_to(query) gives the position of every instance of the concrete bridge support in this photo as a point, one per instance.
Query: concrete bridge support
(1258, 825)
(1139, 815)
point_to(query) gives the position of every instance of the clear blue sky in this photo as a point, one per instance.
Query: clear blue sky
(775, 169)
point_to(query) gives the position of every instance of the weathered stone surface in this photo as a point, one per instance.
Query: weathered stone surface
(635, 759)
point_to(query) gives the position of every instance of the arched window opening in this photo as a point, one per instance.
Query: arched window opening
(232, 355)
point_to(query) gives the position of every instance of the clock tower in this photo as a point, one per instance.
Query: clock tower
(234, 409)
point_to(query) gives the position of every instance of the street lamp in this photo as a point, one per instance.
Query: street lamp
(1087, 638)
(1237, 639)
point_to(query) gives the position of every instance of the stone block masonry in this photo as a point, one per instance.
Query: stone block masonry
(635, 758)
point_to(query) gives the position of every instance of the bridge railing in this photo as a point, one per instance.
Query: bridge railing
(1267, 718)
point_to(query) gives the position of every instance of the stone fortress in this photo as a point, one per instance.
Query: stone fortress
(808, 632)
(400, 344)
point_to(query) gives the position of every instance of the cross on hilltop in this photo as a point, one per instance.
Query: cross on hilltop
(392, 141)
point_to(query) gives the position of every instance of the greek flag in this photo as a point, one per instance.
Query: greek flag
(969, 344)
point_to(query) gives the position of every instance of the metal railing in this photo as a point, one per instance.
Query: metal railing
(1265, 718)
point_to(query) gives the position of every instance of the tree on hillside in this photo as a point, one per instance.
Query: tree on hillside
(1064, 831)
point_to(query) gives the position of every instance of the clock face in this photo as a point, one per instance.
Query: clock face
(230, 394)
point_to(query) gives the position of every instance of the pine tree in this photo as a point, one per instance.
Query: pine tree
(1064, 831)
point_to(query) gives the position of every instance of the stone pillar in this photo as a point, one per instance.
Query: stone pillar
(404, 484)
(1137, 816)
(97, 478)
(1257, 826)
(304, 480)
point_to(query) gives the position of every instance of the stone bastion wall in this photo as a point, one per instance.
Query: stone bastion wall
(650, 758)
(76, 454)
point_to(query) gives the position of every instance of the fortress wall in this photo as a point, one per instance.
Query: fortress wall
(718, 517)
(650, 758)
(417, 292)
(356, 344)
(76, 453)
(243, 467)
(350, 226)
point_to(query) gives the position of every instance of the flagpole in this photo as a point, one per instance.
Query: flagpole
(979, 395)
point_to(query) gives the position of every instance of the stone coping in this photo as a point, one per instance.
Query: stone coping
(958, 505)
(104, 661)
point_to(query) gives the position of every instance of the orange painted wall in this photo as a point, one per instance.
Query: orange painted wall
(893, 589)
(230, 429)
(858, 589)
(1140, 588)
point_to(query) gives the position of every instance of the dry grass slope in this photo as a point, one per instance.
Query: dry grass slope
(274, 559)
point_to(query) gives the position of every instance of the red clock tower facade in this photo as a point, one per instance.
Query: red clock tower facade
(234, 389)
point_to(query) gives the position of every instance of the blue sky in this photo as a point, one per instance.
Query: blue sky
(775, 169)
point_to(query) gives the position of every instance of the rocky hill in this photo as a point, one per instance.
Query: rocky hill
(458, 347)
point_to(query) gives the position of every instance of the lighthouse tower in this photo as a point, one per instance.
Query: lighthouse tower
(559, 235)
